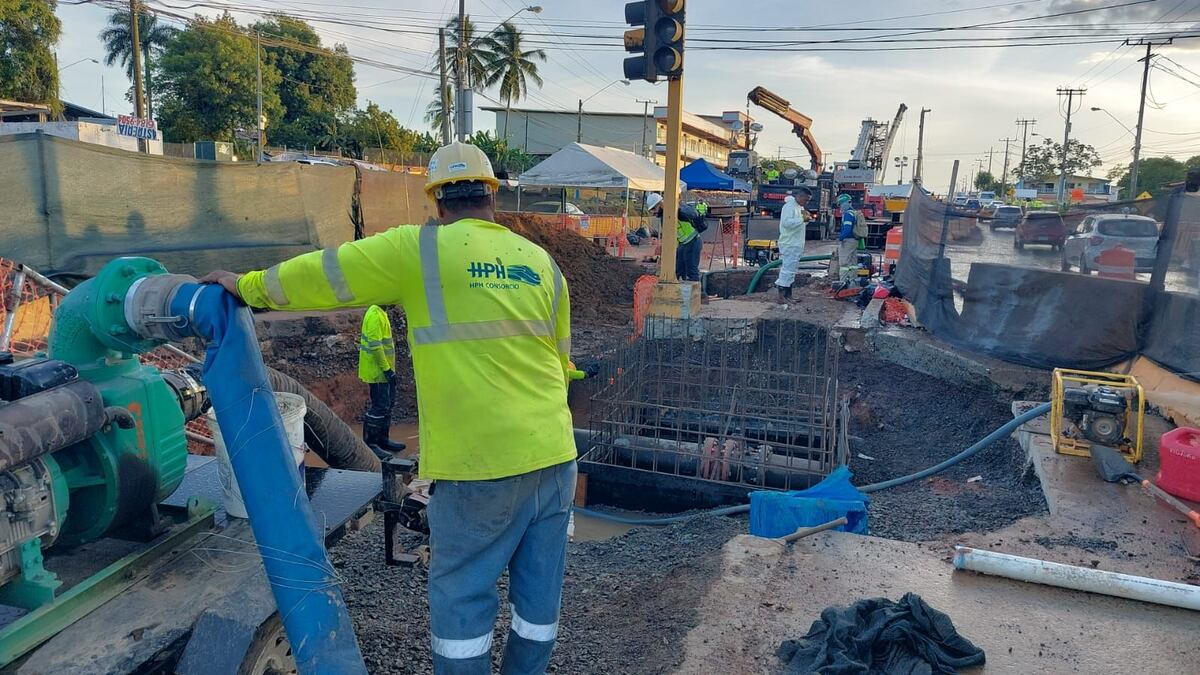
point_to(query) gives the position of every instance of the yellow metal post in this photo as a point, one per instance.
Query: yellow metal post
(673, 298)
(670, 219)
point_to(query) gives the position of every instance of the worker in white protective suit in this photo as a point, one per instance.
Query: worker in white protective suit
(793, 219)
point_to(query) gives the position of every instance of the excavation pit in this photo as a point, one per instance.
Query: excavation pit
(699, 412)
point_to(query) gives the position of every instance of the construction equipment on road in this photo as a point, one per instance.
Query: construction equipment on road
(761, 251)
(801, 123)
(1091, 407)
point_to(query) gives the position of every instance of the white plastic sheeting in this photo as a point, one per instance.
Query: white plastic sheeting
(591, 166)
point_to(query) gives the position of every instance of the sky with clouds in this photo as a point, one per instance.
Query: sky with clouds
(975, 94)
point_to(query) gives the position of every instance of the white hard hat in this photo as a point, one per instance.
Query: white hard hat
(653, 199)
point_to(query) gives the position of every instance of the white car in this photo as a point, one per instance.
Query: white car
(1100, 233)
(554, 207)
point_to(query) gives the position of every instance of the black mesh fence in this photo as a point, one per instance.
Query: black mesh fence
(1084, 288)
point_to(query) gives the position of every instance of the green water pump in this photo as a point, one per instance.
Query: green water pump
(91, 439)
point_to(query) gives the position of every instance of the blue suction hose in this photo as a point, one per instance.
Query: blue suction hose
(303, 581)
(1002, 432)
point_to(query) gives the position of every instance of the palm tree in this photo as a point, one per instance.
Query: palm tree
(476, 52)
(434, 113)
(118, 46)
(510, 66)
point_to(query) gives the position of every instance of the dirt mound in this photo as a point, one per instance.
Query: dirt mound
(601, 285)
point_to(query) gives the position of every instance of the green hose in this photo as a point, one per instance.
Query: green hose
(775, 263)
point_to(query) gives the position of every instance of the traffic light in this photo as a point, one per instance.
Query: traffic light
(659, 38)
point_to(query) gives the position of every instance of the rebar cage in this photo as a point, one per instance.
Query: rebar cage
(747, 403)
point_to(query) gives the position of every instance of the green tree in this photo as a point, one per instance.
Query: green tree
(375, 128)
(314, 86)
(28, 32)
(208, 83)
(434, 114)
(985, 181)
(510, 66)
(117, 39)
(505, 160)
(426, 142)
(475, 52)
(1043, 162)
(1154, 174)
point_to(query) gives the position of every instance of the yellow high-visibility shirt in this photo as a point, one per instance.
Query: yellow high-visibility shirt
(376, 351)
(489, 321)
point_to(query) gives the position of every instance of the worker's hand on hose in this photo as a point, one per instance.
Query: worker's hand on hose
(227, 280)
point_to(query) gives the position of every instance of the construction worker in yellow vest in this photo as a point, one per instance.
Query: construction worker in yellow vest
(489, 329)
(377, 369)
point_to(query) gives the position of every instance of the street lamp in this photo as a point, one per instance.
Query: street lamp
(1114, 119)
(579, 115)
(75, 63)
(901, 162)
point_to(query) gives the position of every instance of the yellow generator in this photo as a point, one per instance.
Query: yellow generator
(1094, 407)
(761, 251)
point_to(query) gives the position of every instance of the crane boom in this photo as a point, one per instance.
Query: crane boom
(891, 136)
(801, 124)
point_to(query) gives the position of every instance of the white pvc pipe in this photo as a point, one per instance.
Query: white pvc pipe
(1078, 578)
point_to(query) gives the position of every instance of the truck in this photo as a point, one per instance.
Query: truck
(771, 196)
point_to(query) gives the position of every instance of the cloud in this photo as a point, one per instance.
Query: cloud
(1160, 16)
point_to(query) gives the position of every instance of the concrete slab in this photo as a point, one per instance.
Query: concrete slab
(767, 594)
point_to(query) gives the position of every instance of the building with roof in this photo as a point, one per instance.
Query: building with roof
(541, 133)
(76, 123)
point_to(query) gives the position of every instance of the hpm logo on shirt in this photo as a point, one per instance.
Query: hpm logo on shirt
(501, 276)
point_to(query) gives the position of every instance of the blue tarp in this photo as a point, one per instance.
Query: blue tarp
(700, 175)
(778, 514)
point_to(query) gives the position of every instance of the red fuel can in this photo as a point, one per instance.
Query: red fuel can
(1179, 463)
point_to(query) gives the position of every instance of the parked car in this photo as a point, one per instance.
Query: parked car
(1005, 216)
(554, 207)
(972, 204)
(960, 201)
(1041, 227)
(986, 198)
(1100, 233)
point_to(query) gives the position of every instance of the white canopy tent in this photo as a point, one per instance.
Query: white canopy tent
(591, 166)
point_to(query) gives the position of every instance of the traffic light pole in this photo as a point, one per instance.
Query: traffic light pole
(670, 219)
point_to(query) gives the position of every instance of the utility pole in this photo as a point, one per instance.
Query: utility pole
(1024, 124)
(461, 73)
(920, 146)
(1137, 141)
(443, 94)
(139, 100)
(990, 150)
(1062, 180)
(258, 124)
(579, 123)
(645, 124)
(1004, 173)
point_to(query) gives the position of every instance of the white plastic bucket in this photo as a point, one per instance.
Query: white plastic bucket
(292, 409)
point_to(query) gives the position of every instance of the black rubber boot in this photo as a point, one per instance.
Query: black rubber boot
(385, 440)
(372, 426)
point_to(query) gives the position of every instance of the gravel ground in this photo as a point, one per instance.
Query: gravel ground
(907, 421)
(627, 601)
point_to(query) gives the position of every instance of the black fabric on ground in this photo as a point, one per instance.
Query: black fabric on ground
(878, 635)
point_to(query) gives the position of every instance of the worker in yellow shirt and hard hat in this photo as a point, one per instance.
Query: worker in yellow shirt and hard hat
(489, 329)
(377, 369)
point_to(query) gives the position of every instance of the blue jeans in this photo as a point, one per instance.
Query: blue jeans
(477, 529)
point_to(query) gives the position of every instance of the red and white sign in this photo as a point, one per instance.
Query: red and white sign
(138, 127)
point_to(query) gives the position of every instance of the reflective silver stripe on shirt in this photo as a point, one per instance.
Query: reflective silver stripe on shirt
(462, 649)
(558, 286)
(334, 276)
(537, 632)
(431, 276)
(482, 330)
(564, 346)
(275, 287)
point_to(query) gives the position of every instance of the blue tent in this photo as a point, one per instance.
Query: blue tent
(700, 175)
